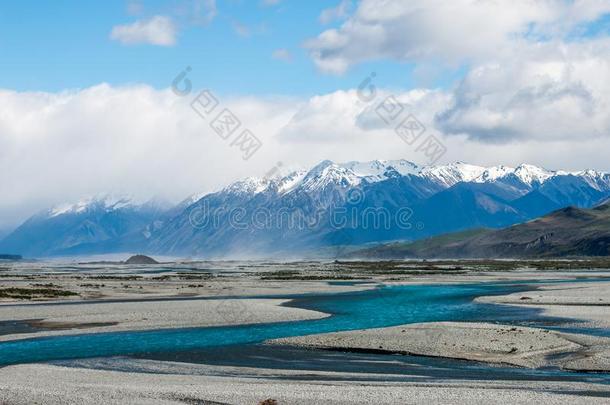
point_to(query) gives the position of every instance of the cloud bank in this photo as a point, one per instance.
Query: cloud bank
(57, 147)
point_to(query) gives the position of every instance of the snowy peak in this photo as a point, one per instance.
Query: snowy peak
(597, 180)
(527, 174)
(494, 173)
(376, 170)
(404, 167)
(248, 186)
(379, 170)
(288, 183)
(354, 173)
(329, 173)
(103, 202)
(364, 169)
(531, 175)
(452, 174)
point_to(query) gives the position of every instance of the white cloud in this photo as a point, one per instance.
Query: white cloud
(452, 31)
(282, 54)
(531, 78)
(157, 30)
(57, 147)
(329, 15)
(550, 91)
(344, 116)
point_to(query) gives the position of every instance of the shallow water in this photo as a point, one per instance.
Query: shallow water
(363, 366)
(386, 306)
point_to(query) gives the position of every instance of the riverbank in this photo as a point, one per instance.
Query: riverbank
(587, 302)
(75, 318)
(50, 384)
(483, 342)
(162, 303)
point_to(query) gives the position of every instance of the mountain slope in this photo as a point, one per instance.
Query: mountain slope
(93, 225)
(568, 232)
(465, 206)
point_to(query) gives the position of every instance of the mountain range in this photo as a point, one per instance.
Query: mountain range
(323, 209)
(568, 232)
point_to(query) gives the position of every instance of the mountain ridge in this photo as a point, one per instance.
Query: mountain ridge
(441, 199)
(567, 232)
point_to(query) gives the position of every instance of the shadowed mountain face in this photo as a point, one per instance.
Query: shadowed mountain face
(328, 206)
(568, 232)
(97, 225)
(374, 196)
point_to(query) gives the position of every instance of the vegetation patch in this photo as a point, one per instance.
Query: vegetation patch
(33, 293)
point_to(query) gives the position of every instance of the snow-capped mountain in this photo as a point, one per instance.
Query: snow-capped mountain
(103, 202)
(442, 199)
(377, 170)
(296, 211)
(452, 174)
(531, 175)
(97, 224)
(352, 174)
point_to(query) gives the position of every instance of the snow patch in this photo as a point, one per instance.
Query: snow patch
(106, 202)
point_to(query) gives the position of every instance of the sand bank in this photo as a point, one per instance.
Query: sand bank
(503, 344)
(585, 301)
(72, 318)
(49, 384)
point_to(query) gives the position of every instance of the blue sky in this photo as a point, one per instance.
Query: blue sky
(57, 45)
(52, 46)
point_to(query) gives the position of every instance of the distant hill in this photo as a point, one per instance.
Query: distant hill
(568, 232)
(141, 259)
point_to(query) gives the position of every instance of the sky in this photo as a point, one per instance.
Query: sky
(92, 99)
